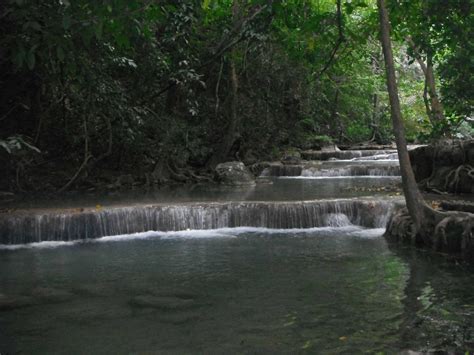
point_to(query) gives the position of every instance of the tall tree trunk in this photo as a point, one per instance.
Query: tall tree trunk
(414, 200)
(233, 130)
(434, 110)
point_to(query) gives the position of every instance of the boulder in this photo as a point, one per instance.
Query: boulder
(234, 173)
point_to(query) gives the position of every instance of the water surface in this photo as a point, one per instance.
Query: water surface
(327, 290)
(276, 189)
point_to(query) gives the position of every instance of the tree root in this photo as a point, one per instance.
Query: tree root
(452, 179)
(448, 232)
(455, 233)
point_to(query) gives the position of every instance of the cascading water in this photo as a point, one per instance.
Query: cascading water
(77, 224)
(53, 226)
(344, 154)
(362, 170)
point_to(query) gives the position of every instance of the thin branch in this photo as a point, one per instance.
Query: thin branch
(218, 84)
(339, 41)
(221, 48)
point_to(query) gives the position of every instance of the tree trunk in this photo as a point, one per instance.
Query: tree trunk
(434, 110)
(414, 200)
(233, 130)
(437, 110)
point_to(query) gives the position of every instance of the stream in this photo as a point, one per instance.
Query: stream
(295, 264)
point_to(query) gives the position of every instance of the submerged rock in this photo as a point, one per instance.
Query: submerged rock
(165, 303)
(234, 173)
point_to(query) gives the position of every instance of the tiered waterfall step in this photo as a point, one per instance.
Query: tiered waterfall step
(348, 154)
(68, 225)
(333, 169)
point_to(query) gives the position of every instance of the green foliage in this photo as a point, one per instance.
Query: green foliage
(139, 84)
(442, 32)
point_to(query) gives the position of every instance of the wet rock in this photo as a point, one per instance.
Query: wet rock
(165, 303)
(234, 173)
(291, 157)
(257, 168)
(446, 166)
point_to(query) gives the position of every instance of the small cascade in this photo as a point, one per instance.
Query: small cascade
(390, 156)
(73, 225)
(337, 220)
(353, 170)
(344, 154)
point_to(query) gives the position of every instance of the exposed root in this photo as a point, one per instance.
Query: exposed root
(447, 232)
(452, 179)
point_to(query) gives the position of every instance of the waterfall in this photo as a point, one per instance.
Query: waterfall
(23, 228)
(354, 170)
(343, 154)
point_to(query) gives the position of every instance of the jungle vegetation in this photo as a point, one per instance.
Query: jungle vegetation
(161, 91)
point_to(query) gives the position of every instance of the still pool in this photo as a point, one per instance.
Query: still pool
(244, 290)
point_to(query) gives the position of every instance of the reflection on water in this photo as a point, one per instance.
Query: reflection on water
(328, 290)
(277, 190)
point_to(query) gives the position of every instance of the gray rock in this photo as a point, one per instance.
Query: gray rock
(234, 173)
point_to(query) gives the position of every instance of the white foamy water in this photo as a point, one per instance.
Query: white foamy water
(340, 177)
(339, 224)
